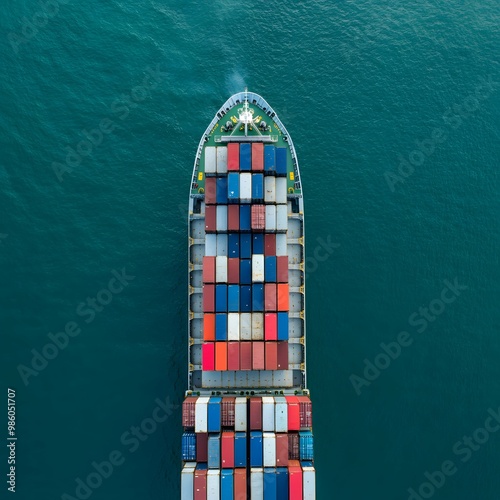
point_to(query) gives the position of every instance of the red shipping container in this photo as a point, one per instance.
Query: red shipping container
(305, 411)
(233, 270)
(208, 356)
(210, 218)
(258, 361)
(271, 356)
(255, 414)
(208, 298)
(283, 355)
(245, 355)
(271, 331)
(208, 269)
(283, 297)
(188, 411)
(221, 356)
(240, 484)
(257, 156)
(270, 244)
(228, 412)
(209, 326)
(233, 156)
(233, 355)
(295, 480)
(270, 297)
(200, 484)
(282, 269)
(233, 218)
(293, 413)
(258, 217)
(227, 450)
(210, 191)
(282, 449)
(201, 446)
(293, 446)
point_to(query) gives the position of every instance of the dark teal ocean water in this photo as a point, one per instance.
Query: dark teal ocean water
(394, 110)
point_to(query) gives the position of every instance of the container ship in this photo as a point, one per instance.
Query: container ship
(247, 414)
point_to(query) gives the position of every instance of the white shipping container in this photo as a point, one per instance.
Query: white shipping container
(281, 414)
(257, 483)
(211, 245)
(269, 444)
(268, 413)
(269, 189)
(210, 160)
(201, 414)
(246, 326)
(222, 160)
(281, 194)
(213, 484)
(280, 244)
(187, 481)
(222, 244)
(281, 218)
(270, 217)
(221, 218)
(233, 326)
(246, 187)
(257, 268)
(309, 483)
(258, 326)
(221, 269)
(240, 414)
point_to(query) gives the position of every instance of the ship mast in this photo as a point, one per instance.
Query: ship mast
(246, 113)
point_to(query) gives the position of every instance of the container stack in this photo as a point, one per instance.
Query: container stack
(245, 268)
(247, 447)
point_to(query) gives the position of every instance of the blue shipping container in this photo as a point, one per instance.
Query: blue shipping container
(214, 411)
(269, 483)
(258, 243)
(233, 187)
(220, 298)
(214, 451)
(245, 242)
(245, 158)
(306, 445)
(227, 484)
(281, 483)
(233, 298)
(221, 326)
(282, 326)
(233, 245)
(245, 298)
(256, 449)
(270, 269)
(281, 161)
(240, 449)
(258, 297)
(269, 159)
(246, 271)
(189, 446)
(257, 187)
(221, 190)
(245, 218)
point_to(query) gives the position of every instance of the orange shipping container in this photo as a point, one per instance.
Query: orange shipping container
(221, 356)
(208, 326)
(283, 304)
(240, 484)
